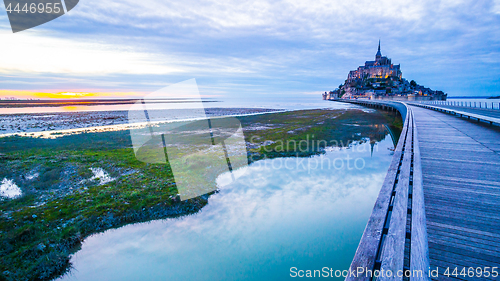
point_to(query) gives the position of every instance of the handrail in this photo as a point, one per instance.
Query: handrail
(478, 117)
(419, 260)
(465, 103)
(395, 237)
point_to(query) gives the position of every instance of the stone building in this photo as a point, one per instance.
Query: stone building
(381, 67)
(381, 79)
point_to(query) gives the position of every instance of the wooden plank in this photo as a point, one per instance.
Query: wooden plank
(440, 139)
(463, 243)
(464, 196)
(453, 197)
(463, 229)
(469, 247)
(449, 212)
(437, 153)
(467, 205)
(458, 236)
(455, 255)
(476, 172)
(464, 224)
(492, 164)
(461, 180)
(419, 260)
(457, 147)
(464, 188)
(392, 258)
(461, 208)
(481, 224)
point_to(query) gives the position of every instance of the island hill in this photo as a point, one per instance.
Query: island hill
(381, 79)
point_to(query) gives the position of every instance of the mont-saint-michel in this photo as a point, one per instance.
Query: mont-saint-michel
(381, 79)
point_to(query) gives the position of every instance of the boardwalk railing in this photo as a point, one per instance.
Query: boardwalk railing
(394, 243)
(472, 104)
(461, 113)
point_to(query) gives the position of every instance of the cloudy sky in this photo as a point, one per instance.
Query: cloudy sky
(251, 48)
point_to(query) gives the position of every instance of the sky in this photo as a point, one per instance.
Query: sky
(250, 49)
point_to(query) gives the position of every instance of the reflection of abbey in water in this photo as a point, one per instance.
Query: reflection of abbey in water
(381, 79)
(376, 133)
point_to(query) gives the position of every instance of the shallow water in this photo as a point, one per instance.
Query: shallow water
(281, 213)
(285, 103)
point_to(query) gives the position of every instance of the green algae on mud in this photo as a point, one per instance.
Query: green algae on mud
(65, 202)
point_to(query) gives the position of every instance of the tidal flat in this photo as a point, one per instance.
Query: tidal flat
(77, 185)
(24, 123)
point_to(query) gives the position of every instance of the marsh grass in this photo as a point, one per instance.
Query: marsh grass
(61, 206)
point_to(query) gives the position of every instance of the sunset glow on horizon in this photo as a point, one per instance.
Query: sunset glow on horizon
(21, 94)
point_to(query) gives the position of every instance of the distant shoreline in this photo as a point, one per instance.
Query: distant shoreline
(89, 102)
(478, 97)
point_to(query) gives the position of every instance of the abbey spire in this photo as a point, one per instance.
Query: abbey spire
(378, 55)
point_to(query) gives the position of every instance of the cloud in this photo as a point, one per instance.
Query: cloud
(322, 18)
(30, 52)
(274, 46)
(496, 7)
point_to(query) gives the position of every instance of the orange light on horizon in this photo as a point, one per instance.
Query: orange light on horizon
(65, 95)
(23, 94)
(70, 108)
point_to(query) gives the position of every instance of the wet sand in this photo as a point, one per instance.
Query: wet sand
(43, 122)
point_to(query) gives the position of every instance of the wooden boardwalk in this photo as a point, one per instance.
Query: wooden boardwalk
(461, 180)
(439, 206)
